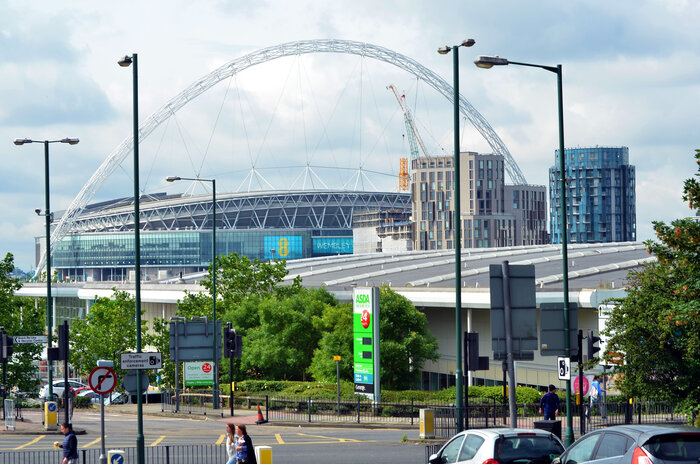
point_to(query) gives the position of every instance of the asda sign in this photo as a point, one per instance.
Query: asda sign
(366, 341)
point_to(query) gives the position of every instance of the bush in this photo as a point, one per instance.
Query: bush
(83, 401)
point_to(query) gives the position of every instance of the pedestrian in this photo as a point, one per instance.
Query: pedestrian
(596, 396)
(245, 453)
(231, 442)
(550, 404)
(69, 445)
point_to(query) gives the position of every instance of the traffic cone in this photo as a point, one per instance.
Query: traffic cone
(261, 419)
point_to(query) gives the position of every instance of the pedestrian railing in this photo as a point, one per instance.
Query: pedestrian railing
(179, 454)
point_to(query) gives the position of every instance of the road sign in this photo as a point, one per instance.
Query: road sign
(141, 361)
(564, 367)
(28, 339)
(130, 384)
(102, 380)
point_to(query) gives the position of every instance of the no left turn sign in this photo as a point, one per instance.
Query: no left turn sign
(102, 380)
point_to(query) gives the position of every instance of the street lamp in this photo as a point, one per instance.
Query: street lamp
(457, 227)
(487, 62)
(215, 392)
(49, 217)
(124, 63)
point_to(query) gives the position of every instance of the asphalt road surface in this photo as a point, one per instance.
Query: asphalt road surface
(290, 444)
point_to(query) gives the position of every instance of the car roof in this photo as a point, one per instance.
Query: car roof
(507, 432)
(643, 433)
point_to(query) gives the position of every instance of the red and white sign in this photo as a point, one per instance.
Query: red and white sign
(102, 380)
(206, 368)
(364, 319)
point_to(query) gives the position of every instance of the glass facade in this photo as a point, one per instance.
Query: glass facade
(601, 200)
(110, 256)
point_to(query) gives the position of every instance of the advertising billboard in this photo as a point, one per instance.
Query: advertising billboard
(365, 323)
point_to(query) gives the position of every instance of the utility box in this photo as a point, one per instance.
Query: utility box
(553, 426)
(427, 423)
(50, 415)
(263, 454)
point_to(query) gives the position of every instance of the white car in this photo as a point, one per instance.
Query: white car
(58, 387)
(112, 398)
(500, 446)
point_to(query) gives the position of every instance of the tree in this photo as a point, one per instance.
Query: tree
(108, 330)
(656, 325)
(20, 316)
(405, 342)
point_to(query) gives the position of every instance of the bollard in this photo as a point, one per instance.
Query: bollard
(427, 423)
(115, 457)
(263, 454)
(50, 415)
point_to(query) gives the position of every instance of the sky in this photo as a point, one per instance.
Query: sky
(630, 79)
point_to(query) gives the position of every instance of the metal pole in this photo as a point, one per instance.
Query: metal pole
(569, 438)
(49, 311)
(337, 379)
(177, 368)
(507, 316)
(103, 455)
(457, 226)
(140, 450)
(215, 357)
(66, 385)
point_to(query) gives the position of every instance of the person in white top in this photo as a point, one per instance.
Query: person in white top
(231, 441)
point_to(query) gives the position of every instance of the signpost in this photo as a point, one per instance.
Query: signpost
(199, 374)
(102, 380)
(141, 360)
(564, 367)
(365, 328)
(30, 339)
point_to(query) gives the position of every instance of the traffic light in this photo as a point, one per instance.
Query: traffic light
(592, 349)
(229, 342)
(63, 351)
(6, 343)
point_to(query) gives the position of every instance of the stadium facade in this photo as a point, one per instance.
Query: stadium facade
(176, 231)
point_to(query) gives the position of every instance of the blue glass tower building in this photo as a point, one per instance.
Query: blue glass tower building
(601, 201)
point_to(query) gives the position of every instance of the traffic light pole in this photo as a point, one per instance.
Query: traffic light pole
(582, 413)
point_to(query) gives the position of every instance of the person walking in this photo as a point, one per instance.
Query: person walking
(550, 404)
(596, 396)
(231, 442)
(69, 445)
(245, 453)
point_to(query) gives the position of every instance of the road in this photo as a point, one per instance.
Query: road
(290, 444)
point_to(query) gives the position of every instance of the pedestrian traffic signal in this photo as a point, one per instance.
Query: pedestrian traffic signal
(6, 349)
(229, 342)
(63, 350)
(592, 348)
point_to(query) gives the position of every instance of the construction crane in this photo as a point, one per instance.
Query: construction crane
(414, 139)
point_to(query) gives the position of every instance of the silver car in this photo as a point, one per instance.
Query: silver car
(500, 446)
(635, 444)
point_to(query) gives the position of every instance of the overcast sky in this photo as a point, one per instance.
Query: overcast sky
(630, 79)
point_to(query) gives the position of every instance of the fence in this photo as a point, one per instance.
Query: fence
(179, 454)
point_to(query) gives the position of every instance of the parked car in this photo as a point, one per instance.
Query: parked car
(112, 398)
(58, 387)
(500, 446)
(635, 444)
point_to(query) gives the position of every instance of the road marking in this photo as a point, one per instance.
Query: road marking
(335, 439)
(30, 443)
(155, 443)
(279, 439)
(221, 439)
(93, 442)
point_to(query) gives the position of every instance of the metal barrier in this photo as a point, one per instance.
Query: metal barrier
(197, 403)
(179, 454)
(432, 449)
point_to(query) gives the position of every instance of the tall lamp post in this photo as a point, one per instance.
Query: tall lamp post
(126, 62)
(215, 392)
(48, 215)
(487, 62)
(457, 227)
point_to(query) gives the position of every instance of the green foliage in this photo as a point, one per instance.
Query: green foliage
(657, 325)
(20, 316)
(108, 330)
(336, 326)
(82, 401)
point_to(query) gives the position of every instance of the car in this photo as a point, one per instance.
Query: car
(635, 444)
(112, 398)
(500, 446)
(58, 386)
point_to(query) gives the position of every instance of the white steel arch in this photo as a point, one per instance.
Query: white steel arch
(261, 56)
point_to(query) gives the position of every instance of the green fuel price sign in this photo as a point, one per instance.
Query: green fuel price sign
(366, 341)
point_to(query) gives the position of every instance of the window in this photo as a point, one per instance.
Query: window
(450, 452)
(612, 444)
(471, 445)
(583, 451)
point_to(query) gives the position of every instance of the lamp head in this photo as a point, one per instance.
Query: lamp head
(487, 62)
(468, 42)
(172, 178)
(38, 212)
(125, 62)
(22, 141)
(70, 141)
(444, 50)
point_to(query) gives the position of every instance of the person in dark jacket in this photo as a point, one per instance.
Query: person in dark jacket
(550, 404)
(245, 453)
(69, 445)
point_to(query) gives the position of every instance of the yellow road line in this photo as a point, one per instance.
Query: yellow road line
(221, 439)
(155, 443)
(93, 442)
(279, 439)
(31, 442)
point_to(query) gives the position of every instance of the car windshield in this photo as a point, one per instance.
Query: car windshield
(675, 446)
(527, 450)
